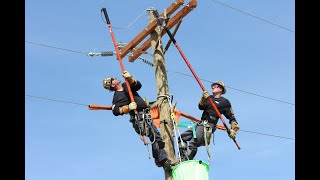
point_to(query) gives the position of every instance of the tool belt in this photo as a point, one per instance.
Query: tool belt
(142, 122)
(210, 126)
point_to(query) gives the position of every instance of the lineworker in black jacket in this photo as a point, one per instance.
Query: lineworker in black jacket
(121, 105)
(210, 117)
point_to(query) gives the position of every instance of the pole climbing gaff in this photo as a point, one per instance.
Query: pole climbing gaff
(156, 14)
(120, 60)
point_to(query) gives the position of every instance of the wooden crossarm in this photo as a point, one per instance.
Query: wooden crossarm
(146, 31)
(172, 22)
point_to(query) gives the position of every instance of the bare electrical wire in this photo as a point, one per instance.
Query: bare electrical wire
(238, 89)
(267, 134)
(49, 99)
(253, 16)
(124, 27)
(56, 47)
(69, 102)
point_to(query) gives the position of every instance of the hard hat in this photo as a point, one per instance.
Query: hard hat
(220, 83)
(107, 82)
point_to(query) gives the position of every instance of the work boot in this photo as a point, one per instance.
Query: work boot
(158, 163)
(191, 154)
(183, 151)
(166, 164)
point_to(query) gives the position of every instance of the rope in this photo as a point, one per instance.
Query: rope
(175, 134)
(166, 96)
(174, 123)
(124, 27)
(179, 153)
(169, 100)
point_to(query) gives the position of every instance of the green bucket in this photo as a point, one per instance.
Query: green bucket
(191, 170)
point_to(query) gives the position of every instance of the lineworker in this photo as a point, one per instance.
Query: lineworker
(209, 118)
(122, 105)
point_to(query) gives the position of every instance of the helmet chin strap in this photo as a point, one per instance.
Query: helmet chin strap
(118, 83)
(120, 88)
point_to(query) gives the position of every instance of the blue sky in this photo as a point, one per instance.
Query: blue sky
(254, 58)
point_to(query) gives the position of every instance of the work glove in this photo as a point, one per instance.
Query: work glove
(127, 76)
(235, 126)
(127, 108)
(232, 134)
(124, 109)
(204, 97)
(132, 106)
(205, 94)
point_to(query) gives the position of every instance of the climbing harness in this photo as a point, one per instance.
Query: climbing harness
(155, 12)
(143, 122)
(147, 123)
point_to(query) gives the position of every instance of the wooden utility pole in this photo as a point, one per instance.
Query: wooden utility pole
(166, 125)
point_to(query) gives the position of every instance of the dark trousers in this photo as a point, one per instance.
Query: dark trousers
(158, 152)
(194, 143)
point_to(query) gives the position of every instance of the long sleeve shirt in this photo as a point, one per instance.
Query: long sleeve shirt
(222, 104)
(122, 98)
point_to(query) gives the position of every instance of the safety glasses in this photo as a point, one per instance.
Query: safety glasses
(215, 86)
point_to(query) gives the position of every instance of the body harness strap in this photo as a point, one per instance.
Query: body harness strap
(144, 121)
(207, 137)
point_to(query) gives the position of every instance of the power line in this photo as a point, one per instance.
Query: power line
(68, 102)
(253, 16)
(56, 47)
(55, 100)
(151, 64)
(238, 89)
(134, 21)
(267, 134)
(124, 27)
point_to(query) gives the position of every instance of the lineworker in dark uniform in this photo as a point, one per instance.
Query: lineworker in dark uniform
(121, 105)
(210, 118)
